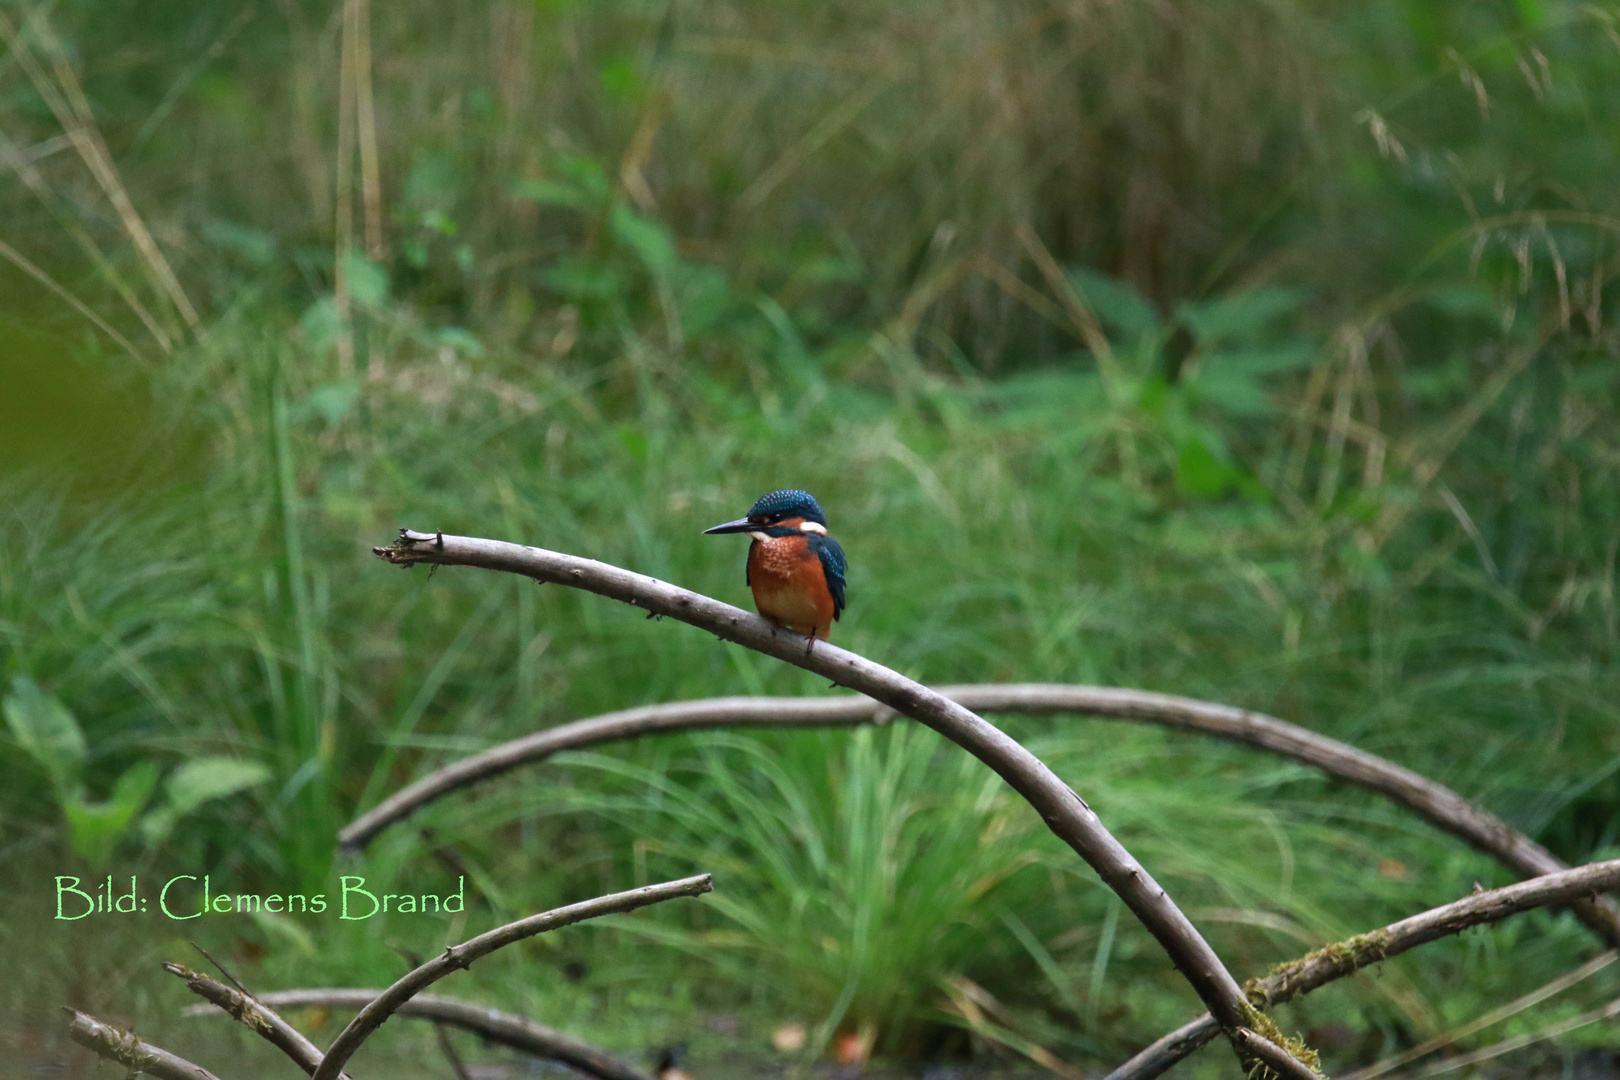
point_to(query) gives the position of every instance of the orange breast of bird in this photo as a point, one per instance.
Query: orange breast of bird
(789, 585)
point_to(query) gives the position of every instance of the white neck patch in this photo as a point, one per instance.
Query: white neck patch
(813, 526)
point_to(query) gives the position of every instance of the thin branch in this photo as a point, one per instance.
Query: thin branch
(414, 959)
(72, 110)
(254, 1013)
(1085, 323)
(223, 970)
(1434, 802)
(1166, 1051)
(129, 1051)
(21, 262)
(343, 228)
(1064, 812)
(1480, 1023)
(1519, 1042)
(366, 129)
(627, 724)
(22, 163)
(1291, 980)
(507, 1029)
(457, 1067)
(458, 957)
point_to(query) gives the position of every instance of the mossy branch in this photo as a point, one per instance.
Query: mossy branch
(255, 1014)
(1274, 1056)
(1334, 961)
(129, 1051)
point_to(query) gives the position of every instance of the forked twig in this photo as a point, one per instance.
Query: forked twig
(1064, 812)
(254, 1013)
(492, 1025)
(459, 957)
(222, 969)
(129, 1051)
(1290, 980)
(1434, 802)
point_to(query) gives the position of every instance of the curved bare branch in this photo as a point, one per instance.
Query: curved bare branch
(1291, 980)
(507, 1029)
(1434, 802)
(458, 957)
(627, 724)
(1064, 812)
(129, 1051)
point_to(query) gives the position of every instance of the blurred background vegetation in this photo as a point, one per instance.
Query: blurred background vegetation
(1256, 350)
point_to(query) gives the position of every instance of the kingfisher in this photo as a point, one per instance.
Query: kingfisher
(795, 570)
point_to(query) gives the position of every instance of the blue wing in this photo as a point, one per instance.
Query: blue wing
(834, 566)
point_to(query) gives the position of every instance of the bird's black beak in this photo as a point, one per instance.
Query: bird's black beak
(740, 525)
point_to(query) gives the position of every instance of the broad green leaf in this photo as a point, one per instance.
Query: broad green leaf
(582, 279)
(551, 193)
(650, 240)
(321, 323)
(634, 440)
(254, 245)
(462, 341)
(430, 184)
(620, 77)
(275, 923)
(1465, 300)
(368, 282)
(1233, 393)
(195, 782)
(1116, 303)
(703, 295)
(134, 788)
(1200, 473)
(1240, 315)
(94, 828)
(575, 180)
(331, 401)
(1261, 361)
(47, 732)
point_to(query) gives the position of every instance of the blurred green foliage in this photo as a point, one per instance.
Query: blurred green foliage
(1258, 351)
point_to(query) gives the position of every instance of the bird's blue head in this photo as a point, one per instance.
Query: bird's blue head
(777, 508)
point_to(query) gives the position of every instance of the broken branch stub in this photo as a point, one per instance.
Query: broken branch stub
(253, 1013)
(129, 1051)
